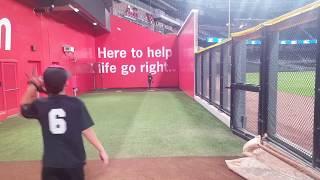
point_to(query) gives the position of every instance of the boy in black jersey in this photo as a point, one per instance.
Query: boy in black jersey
(63, 121)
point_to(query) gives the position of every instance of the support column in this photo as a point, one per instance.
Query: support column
(196, 70)
(201, 70)
(240, 59)
(210, 76)
(221, 82)
(225, 76)
(271, 83)
(214, 74)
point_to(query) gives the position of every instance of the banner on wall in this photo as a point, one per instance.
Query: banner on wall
(130, 53)
(152, 60)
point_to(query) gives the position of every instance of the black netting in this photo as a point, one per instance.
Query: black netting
(251, 110)
(198, 75)
(253, 62)
(215, 75)
(214, 67)
(205, 80)
(291, 87)
(226, 76)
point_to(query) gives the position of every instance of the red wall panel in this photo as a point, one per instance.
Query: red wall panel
(60, 34)
(125, 36)
(186, 39)
(47, 34)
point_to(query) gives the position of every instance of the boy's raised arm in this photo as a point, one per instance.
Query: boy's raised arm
(34, 84)
(29, 96)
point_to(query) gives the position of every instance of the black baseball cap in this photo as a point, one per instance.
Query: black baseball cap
(55, 78)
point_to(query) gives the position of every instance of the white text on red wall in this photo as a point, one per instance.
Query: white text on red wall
(6, 26)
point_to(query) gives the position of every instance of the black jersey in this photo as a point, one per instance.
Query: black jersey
(62, 119)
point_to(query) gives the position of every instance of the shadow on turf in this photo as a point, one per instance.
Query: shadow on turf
(107, 115)
(135, 90)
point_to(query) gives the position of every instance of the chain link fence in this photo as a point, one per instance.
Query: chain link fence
(291, 87)
(226, 77)
(206, 76)
(266, 79)
(198, 73)
(215, 75)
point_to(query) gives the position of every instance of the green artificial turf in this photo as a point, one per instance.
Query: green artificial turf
(300, 83)
(134, 124)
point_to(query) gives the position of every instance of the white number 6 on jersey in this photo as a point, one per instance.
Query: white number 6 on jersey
(57, 124)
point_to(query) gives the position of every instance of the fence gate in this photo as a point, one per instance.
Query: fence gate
(245, 87)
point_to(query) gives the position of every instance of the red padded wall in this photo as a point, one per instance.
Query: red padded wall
(79, 36)
(47, 34)
(186, 43)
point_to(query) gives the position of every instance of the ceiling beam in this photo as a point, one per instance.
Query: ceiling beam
(167, 5)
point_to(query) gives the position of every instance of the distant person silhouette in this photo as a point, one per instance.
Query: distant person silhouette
(149, 80)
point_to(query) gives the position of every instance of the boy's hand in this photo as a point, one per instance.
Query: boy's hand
(104, 157)
(90, 135)
(37, 82)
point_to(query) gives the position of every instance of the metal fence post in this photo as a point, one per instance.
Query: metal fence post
(269, 82)
(196, 74)
(240, 52)
(232, 113)
(221, 76)
(210, 76)
(263, 103)
(201, 59)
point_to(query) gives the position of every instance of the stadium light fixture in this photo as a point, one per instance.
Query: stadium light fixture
(74, 8)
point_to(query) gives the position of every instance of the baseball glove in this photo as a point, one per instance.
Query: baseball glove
(36, 81)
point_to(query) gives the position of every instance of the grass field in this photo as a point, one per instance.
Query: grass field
(134, 124)
(300, 83)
